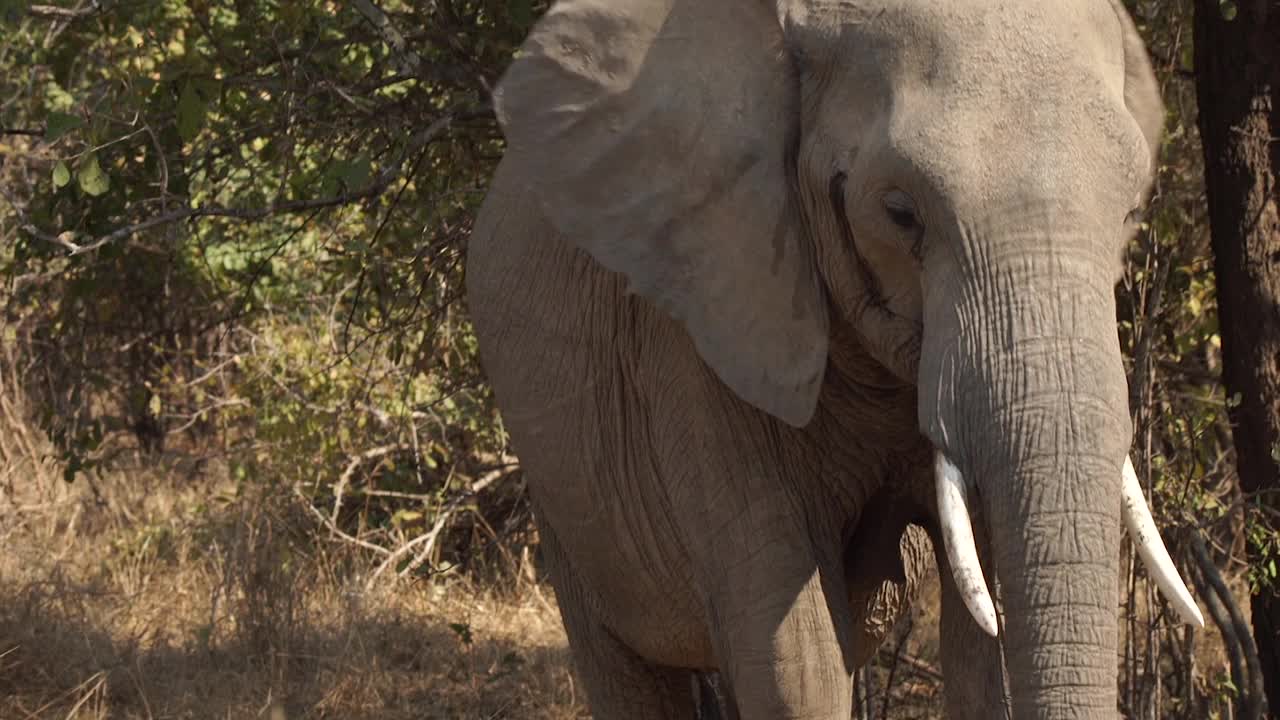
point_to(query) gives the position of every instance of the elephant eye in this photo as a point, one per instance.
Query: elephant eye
(901, 210)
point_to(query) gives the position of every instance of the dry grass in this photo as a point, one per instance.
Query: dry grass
(172, 594)
(162, 596)
(144, 598)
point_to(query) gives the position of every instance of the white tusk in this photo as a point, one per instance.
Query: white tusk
(962, 553)
(1142, 529)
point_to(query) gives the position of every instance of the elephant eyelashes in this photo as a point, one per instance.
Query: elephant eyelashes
(901, 210)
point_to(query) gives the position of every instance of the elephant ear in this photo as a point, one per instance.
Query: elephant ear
(654, 135)
(1141, 89)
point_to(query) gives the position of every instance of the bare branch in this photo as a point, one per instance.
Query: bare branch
(1230, 639)
(1250, 688)
(913, 663)
(336, 530)
(61, 239)
(53, 12)
(356, 461)
(429, 538)
(408, 60)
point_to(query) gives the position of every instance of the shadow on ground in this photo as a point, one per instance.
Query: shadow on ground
(60, 661)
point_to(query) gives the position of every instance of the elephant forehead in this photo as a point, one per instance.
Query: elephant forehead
(1036, 142)
(1017, 100)
(1006, 40)
(978, 50)
(982, 94)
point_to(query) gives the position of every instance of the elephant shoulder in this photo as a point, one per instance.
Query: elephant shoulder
(523, 276)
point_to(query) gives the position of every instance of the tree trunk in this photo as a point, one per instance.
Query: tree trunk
(1238, 88)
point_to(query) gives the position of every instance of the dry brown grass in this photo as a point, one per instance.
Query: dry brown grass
(173, 594)
(146, 597)
(157, 595)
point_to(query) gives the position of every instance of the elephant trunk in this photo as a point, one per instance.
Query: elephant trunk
(1022, 388)
(1052, 515)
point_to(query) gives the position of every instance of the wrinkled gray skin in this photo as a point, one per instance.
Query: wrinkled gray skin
(744, 268)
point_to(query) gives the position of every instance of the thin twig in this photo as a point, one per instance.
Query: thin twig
(428, 539)
(345, 479)
(408, 60)
(374, 189)
(196, 416)
(893, 667)
(96, 679)
(337, 531)
(917, 666)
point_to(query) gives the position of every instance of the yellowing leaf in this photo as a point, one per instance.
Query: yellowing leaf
(61, 174)
(58, 124)
(191, 112)
(92, 180)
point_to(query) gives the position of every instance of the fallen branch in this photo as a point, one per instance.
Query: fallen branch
(347, 473)
(335, 530)
(429, 538)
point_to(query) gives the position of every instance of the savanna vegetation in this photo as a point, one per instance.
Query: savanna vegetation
(249, 466)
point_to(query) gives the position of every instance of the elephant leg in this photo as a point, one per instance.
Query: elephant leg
(620, 684)
(972, 662)
(781, 641)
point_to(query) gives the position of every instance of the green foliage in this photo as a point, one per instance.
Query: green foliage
(237, 228)
(463, 631)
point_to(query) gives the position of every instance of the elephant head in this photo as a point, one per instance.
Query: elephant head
(955, 182)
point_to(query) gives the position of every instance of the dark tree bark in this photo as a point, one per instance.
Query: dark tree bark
(1238, 88)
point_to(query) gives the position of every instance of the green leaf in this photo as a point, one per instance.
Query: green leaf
(191, 112)
(89, 175)
(407, 517)
(463, 631)
(74, 465)
(11, 11)
(1187, 59)
(355, 173)
(58, 124)
(61, 174)
(1228, 9)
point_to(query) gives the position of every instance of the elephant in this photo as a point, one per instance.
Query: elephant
(782, 301)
